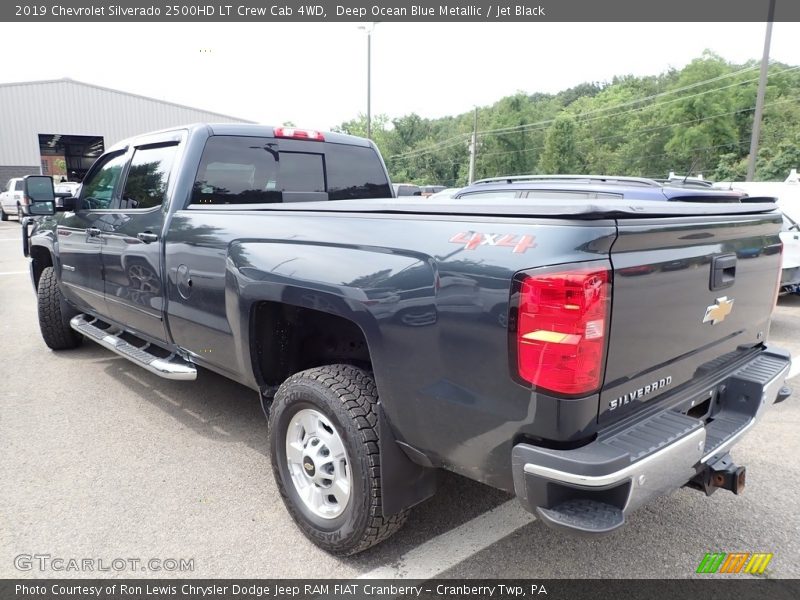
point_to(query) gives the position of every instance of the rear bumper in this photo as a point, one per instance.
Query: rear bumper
(590, 489)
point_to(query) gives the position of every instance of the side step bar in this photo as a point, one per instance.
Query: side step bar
(170, 367)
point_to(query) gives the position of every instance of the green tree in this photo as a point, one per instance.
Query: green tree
(560, 154)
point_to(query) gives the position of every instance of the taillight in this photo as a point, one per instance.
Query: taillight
(299, 134)
(562, 329)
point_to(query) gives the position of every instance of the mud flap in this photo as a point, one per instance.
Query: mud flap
(404, 483)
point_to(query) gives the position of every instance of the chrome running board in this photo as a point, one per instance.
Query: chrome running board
(169, 367)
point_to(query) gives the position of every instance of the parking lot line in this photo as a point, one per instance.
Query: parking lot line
(450, 548)
(13, 273)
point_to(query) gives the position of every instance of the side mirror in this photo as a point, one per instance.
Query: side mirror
(38, 189)
(70, 204)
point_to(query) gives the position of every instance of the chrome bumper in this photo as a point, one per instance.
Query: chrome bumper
(672, 448)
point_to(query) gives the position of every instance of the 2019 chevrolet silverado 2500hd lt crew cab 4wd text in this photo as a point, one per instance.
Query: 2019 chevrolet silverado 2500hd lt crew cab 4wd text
(631, 358)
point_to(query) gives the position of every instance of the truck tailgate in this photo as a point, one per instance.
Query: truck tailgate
(689, 293)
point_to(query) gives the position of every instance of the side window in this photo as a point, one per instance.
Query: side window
(19, 186)
(146, 185)
(98, 190)
(237, 170)
(355, 172)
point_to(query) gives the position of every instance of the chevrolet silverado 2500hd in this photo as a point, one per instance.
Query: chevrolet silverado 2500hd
(587, 355)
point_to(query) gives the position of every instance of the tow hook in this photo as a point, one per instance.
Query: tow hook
(723, 473)
(783, 394)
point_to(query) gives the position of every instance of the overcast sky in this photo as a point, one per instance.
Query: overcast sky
(315, 74)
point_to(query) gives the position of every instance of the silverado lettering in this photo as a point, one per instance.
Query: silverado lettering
(640, 393)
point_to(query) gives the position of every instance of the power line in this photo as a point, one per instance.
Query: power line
(644, 99)
(463, 137)
(543, 124)
(691, 86)
(648, 129)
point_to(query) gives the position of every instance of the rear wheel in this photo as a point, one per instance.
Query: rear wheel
(3, 215)
(55, 313)
(323, 437)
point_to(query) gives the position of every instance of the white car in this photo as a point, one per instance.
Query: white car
(12, 199)
(66, 189)
(444, 194)
(790, 236)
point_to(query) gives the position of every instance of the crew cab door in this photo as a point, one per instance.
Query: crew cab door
(132, 248)
(80, 234)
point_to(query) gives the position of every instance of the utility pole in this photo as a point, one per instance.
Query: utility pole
(762, 86)
(473, 148)
(369, 30)
(369, 84)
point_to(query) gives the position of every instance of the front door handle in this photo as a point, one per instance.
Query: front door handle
(93, 231)
(147, 237)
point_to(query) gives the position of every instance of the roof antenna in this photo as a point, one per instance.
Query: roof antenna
(691, 168)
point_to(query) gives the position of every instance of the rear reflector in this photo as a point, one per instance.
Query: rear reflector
(562, 326)
(299, 134)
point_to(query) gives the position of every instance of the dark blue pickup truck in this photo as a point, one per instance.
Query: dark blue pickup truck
(586, 354)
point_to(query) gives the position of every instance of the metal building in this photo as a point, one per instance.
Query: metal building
(59, 127)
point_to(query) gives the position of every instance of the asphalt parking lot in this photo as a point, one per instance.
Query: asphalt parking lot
(100, 459)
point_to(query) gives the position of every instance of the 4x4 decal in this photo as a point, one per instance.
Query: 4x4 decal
(472, 239)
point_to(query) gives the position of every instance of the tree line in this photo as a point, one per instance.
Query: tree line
(697, 119)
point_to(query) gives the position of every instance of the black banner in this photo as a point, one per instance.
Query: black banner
(710, 587)
(402, 10)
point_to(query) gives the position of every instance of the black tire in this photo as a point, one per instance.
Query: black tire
(3, 215)
(348, 398)
(55, 313)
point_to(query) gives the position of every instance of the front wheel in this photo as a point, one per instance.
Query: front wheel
(55, 313)
(323, 438)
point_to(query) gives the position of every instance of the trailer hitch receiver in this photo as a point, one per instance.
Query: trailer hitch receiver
(723, 473)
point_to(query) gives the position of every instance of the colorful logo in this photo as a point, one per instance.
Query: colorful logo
(472, 239)
(735, 562)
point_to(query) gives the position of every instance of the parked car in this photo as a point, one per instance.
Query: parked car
(406, 189)
(589, 187)
(13, 200)
(444, 194)
(790, 236)
(429, 190)
(66, 189)
(588, 357)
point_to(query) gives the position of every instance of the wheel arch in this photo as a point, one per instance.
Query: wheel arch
(287, 338)
(41, 258)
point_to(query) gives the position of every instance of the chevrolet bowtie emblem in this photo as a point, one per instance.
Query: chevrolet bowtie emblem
(718, 311)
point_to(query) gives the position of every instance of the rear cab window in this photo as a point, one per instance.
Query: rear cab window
(19, 185)
(259, 170)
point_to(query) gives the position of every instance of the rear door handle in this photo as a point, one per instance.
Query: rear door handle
(93, 231)
(147, 237)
